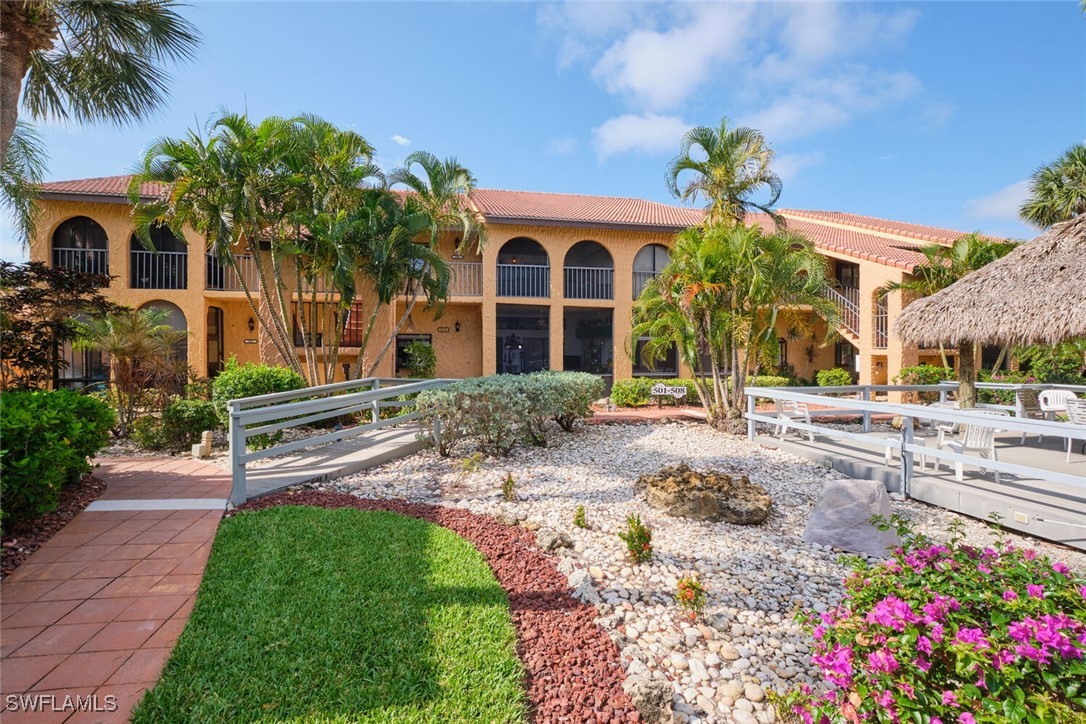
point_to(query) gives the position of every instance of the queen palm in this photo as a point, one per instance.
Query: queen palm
(942, 266)
(726, 167)
(72, 60)
(20, 174)
(442, 190)
(1057, 192)
(720, 300)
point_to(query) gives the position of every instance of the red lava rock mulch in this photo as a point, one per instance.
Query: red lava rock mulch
(23, 537)
(574, 670)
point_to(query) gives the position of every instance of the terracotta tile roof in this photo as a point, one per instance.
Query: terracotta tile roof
(892, 243)
(571, 209)
(100, 186)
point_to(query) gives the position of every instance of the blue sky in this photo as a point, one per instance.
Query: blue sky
(927, 112)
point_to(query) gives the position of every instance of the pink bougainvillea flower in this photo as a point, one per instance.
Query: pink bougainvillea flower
(1061, 568)
(973, 636)
(1029, 554)
(883, 661)
(936, 632)
(966, 718)
(950, 699)
(1035, 591)
(924, 644)
(1009, 595)
(922, 664)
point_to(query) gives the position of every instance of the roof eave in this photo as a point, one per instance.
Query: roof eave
(535, 221)
(91, 198)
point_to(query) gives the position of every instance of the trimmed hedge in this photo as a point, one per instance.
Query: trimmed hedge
(248, 380)
(181, 425)
(48, 439)
(637, 391)
(833, 377)
(501, 411)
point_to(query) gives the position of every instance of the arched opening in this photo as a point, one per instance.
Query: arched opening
(215, 335)
(523, 269)
(649, 262)
(163, 266)
(175, 319)
(589, 272)
(81, 244)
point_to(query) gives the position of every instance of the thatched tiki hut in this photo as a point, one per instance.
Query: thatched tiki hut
(1034, 295)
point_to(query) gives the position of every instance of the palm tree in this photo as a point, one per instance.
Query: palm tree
(442, 190)
(73, 60)
(942, 266)
(1058, 190)
(720, 300)
(727, 167)
(20, 175)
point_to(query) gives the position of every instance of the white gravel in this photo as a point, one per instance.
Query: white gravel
(757, 577)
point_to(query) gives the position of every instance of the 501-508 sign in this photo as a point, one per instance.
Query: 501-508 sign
(662, 390)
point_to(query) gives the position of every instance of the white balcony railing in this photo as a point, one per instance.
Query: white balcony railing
(847, 300)
(641, 280)
(882, 325)
(524, 280)
(467, 279)
(224, 277)
(89, 261)
(159, 269)
(584, 282)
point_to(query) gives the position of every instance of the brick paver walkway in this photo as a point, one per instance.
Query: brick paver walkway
(97, 609)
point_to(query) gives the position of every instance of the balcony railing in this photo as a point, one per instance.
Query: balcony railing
(524, 280)
(882, 323)
(89, 261)
(159, 269)
(321, 284)
(641, 280)
(467, 279)
(847, 300)
(584, 282)
(226, 278)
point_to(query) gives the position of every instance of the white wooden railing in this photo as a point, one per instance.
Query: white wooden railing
(524, 280)
(467, 279)
(847, 300)
(882, 325)
(269, 414)
(159, 269)
(586, 282)
(224, 277)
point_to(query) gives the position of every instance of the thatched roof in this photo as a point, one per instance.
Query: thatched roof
(1034, 295)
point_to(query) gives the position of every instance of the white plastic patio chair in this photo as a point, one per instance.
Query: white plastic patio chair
(789, 410)
(979, 439)
(1076, 414)
(1055, 401)
(1028, 405)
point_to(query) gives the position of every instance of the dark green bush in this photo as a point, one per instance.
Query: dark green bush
(185, 420)
(768, 381)
(149, 433)
(833, 377)
(421, 359)
(923, 375)
(637, 392)
(46, 440)
(249, 380)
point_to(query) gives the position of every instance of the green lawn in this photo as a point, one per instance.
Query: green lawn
(310, 614)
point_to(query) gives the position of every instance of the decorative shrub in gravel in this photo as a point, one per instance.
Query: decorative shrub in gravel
(952, 633)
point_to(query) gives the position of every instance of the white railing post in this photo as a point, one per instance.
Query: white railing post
(906, 454)
(866, 396)
(238, 494)
(750, 419)
(376, 403)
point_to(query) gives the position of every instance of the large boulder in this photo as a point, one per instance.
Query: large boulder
(842, 518)
(714, 496)
(651, 696)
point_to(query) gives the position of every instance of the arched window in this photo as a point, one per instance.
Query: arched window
(165, 265)
(175, 319)
(523, 269)
(649, 262)
(81, 243)
(589, 272)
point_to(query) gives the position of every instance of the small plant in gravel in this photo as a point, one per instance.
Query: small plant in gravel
(578, 517)
(951, 633)
(471, 463)
(690, 595)
(509, 491)
(638, 539)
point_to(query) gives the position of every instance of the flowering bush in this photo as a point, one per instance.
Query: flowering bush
(951, 633)
(690, 595)
(638, 539)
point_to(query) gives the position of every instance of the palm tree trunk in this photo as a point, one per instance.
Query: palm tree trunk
(967, 376)
(1000, 359)
(392, 337)
(365, 341)
(24, 28)
(942, 356)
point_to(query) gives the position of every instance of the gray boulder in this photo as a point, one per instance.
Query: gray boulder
(584, 588)
(714, 496)
(651, 697)
(842, 518)
(549, 539)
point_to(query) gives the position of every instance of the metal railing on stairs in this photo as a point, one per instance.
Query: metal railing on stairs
(847, 300)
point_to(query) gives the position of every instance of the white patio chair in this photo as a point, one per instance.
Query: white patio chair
(789, 410)
(1076, 414)
(975, 438)
(1055, 401)
(1028, 405)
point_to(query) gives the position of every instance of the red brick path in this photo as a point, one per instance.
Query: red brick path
(97, 609)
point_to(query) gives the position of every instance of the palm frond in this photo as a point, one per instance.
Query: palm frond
(20, 176)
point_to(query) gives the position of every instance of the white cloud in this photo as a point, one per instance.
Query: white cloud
(829, 102)
(649, 133)
(583, 26)
(562, 146)
(1002, 204)
(401, 140)
(788, 165)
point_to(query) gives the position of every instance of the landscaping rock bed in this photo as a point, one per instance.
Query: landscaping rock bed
(574, 670)
(746, 641)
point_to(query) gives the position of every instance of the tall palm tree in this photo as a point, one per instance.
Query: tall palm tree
(1057, 192)
(726, 167)
(442, 190)
(20, 175)
(720, 300)
(74, 60)
(942, 266)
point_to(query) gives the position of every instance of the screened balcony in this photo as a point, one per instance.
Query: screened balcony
(164, 266)
(589, 272)
(523, 269)
(80, 244)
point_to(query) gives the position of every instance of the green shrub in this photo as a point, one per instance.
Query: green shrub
(637, 392)
(769, 381)
(833, 377)
(509, 488)
(421, 359)
(185, 420)
(47, 440)
(922, 375)
(248, 380)
(579, 517)
(572, 395)
(149, 433)
(638, 539)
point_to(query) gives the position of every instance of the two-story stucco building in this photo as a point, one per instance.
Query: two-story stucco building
(553, 287)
